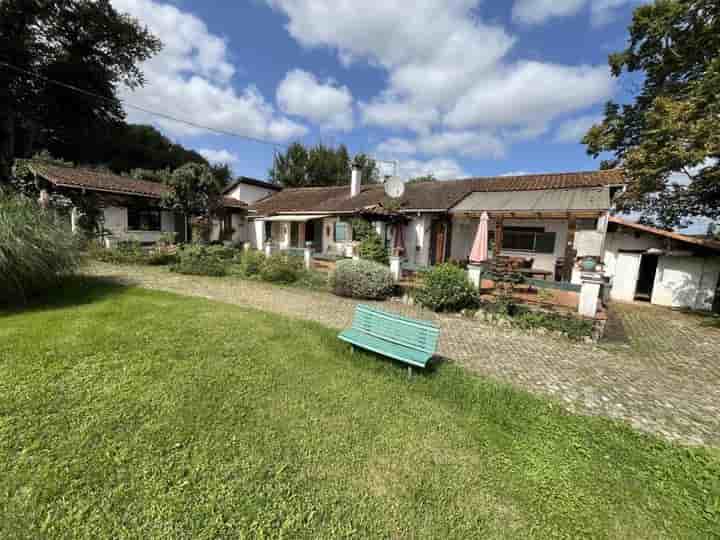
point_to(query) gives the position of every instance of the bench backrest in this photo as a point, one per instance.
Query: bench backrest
(411, 333)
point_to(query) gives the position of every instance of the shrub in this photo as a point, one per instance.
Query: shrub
(250, 263)
(446, 288)
(36, 252)
(222, 252)
(199, 260)
(362, 279)
(571, 326)
(128, 252)
(372, 248)
(281, 268)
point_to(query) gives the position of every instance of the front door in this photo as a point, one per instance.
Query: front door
(646, 277)
(438, 242)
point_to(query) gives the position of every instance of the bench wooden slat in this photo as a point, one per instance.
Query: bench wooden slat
(402, 338)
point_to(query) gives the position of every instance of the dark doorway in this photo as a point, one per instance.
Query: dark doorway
(646, 277)
(313, 233)
(294, 234)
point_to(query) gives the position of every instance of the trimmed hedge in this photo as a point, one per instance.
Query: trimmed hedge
(362, 279)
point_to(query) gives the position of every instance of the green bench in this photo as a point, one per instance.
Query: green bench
(401, 338)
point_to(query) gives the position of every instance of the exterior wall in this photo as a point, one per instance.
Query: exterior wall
(328, 243)
(239, 225)
(116, 221)
(249, 194)
(686, 282)
(417, 240)
(258, 237)
(463, 236)
(614, 242)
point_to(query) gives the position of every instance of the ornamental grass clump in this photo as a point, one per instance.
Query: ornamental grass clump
(362, 279)
(446, 288)
(37, 251)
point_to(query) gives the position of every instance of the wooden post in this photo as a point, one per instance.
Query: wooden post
(497, 250)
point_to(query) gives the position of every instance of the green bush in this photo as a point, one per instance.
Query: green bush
(281, 268)
(250, 263)
(127, 252)
(199, 260)
(222, 252)
(362, 279)
(573, 327)
(372, 248)
(446, 288)
(36, 252)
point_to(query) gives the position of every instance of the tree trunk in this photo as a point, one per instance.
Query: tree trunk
(7, 141)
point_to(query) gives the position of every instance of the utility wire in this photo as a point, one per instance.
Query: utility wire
(142, 109)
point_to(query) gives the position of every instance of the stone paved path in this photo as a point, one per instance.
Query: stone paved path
(659, 370)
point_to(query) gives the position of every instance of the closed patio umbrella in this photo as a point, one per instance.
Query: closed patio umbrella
(479, 252)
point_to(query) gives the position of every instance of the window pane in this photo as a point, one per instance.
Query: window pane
(545, 243)
(340, 231)
(143, 219)
(518, 240)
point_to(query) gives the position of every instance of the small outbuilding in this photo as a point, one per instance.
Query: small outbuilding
(661, 267)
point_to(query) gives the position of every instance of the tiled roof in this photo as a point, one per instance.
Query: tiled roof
(438, 195)
(703, 242)
(73, 177)
(251, 182)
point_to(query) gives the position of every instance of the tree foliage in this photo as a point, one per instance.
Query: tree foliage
(319, 166)
(421, 179)
(83, 43)
(195, 189)
(671, 126)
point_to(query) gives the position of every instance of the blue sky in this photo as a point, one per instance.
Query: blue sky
(450, 87)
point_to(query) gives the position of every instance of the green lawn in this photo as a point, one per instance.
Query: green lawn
(127, 413)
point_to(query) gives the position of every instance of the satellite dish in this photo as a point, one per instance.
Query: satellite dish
(394, 187)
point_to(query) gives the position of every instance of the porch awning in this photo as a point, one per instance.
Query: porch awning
(301, 218)
(546, 200)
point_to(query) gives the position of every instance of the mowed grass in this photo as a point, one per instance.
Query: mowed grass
(127, 413)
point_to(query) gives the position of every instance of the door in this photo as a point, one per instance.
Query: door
(294, 234)
(625, 280)
(646, 277)
(438, 242)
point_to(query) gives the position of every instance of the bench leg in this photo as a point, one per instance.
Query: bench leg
(409, 372)
(352, 349)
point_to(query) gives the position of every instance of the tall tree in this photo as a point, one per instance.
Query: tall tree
(83, 43)
(319, 166)
(672, 124)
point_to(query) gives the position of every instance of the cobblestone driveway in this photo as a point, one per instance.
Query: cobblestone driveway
(659, 370)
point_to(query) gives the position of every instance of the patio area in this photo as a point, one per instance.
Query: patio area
(660, 374)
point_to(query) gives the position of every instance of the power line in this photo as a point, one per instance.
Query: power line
(142, 109)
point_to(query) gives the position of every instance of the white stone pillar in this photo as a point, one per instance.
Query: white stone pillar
(590, 294)
(308, 255)
(44, 199)
(268, 249)
(475, 274)
(74, 219)
(396, 267)
(259, 233)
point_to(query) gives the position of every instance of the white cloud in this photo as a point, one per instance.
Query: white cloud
(463, 143)
(539, 11)
(516, 173)
(444, 62)
(441, 168)
(391, 112)
(301, 94)
(573, 130)
(219, 156)
(531, 94)
(191, 79)
(395, 146)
